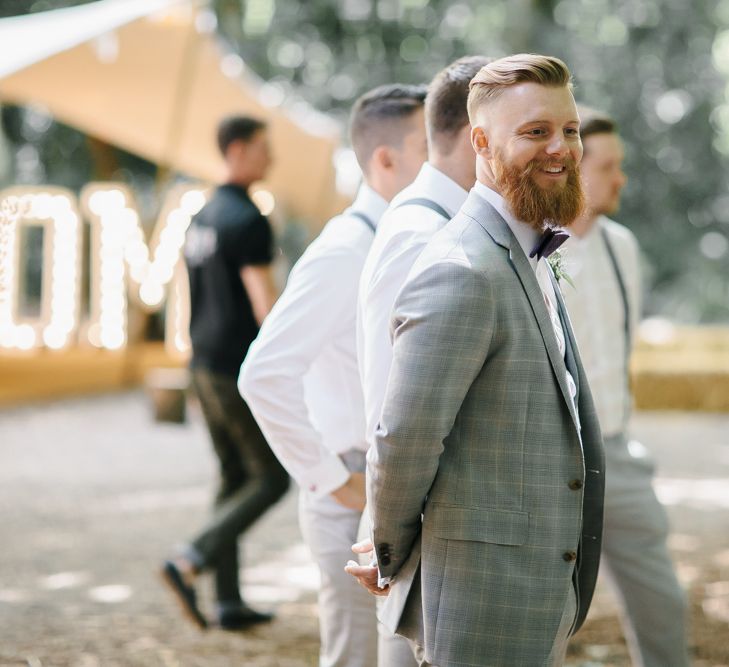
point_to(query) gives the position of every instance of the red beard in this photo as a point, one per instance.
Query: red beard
(557, 206)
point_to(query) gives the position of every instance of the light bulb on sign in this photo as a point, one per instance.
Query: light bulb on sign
(151, 293)
(25, 337)
(192, 201)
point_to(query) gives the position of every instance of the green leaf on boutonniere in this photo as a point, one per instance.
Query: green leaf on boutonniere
(556, 261)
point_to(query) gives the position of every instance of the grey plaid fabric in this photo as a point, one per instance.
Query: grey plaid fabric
(486, 500)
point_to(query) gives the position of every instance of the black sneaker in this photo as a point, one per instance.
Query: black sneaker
(240, 618)
(184, 593)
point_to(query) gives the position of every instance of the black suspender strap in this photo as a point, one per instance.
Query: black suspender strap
(364, 218)
(428, 203)
(626, 310)
(416, 201)
(621, 286)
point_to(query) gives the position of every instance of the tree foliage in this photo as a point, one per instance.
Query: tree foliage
(660, 67)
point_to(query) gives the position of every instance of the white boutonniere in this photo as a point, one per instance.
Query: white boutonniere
(556, 262)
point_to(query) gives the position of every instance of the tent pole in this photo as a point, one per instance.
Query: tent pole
(184, 86)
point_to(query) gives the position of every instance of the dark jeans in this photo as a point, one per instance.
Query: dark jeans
(251, 480)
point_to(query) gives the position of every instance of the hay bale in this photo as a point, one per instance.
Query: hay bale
(681, 368)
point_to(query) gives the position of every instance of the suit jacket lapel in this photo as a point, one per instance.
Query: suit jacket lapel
(496, 227)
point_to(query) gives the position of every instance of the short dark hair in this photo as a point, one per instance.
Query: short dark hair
(446, 111)
(235, 128)
(376, 117)
(593, 121)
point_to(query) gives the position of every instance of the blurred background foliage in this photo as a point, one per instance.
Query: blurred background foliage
(660, 67)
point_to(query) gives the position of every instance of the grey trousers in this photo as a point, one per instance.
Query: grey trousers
(347, 621)
(251, 480)
(393, 650)
(635, 558)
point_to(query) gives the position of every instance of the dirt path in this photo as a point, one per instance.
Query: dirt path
(93, 495)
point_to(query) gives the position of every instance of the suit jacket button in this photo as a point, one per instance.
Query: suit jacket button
(569, 556)
(385, 560)
(575, 484)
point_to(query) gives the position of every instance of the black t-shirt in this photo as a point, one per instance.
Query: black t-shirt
(227, 234)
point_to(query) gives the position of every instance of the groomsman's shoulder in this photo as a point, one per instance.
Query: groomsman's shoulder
(463, 239)
(462, 247)
(344, 235)
(620, 236)
(618, 230)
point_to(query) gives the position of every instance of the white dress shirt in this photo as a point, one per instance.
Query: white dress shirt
(597, 314)
(300, 376)
(527, 237)
(401, 236)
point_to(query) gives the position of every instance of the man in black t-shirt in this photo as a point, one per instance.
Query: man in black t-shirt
(226, 239)
(228, 252)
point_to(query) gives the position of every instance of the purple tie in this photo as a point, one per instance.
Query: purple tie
(548, 242)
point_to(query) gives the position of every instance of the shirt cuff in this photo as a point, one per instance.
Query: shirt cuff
(327, 476)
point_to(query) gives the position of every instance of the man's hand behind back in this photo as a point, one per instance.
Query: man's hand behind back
(352, 493)
(366, 575)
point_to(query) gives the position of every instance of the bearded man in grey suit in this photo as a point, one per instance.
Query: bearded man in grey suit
(486, 479)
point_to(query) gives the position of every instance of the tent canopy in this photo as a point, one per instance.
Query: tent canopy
(149, 77)
(29, 38)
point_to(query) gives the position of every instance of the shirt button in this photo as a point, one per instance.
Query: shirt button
(575, 484)
(569, 556)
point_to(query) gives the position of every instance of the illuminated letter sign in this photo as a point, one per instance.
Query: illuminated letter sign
(117, 241)
(55, 210)
(118, 251)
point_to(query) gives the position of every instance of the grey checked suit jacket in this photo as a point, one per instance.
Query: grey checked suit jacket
(485, 494)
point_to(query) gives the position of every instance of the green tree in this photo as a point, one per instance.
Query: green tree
(660, 67)
(647, 62)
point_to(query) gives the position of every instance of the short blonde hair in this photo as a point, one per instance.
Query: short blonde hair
(493, 78)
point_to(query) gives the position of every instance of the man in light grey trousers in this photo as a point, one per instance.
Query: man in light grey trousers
(414, 215)
(485, 482)
(603, 259)
(300, 376)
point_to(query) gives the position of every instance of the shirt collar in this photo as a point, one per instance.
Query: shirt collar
(525, 234)
(370, 203)
(436, 186)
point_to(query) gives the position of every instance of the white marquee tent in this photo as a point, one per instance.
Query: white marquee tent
(150, 77)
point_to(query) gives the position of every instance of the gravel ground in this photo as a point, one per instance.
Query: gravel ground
(94, 494)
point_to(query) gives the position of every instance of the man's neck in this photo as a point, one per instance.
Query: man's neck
(454, 168)
(484, 180)
(379, 189)
(582, 226)
(234, 179)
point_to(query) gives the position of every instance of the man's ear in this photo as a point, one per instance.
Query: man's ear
(382, 158)
(480, 142)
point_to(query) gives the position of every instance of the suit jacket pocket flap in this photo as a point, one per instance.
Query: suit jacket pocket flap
(495, 526)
